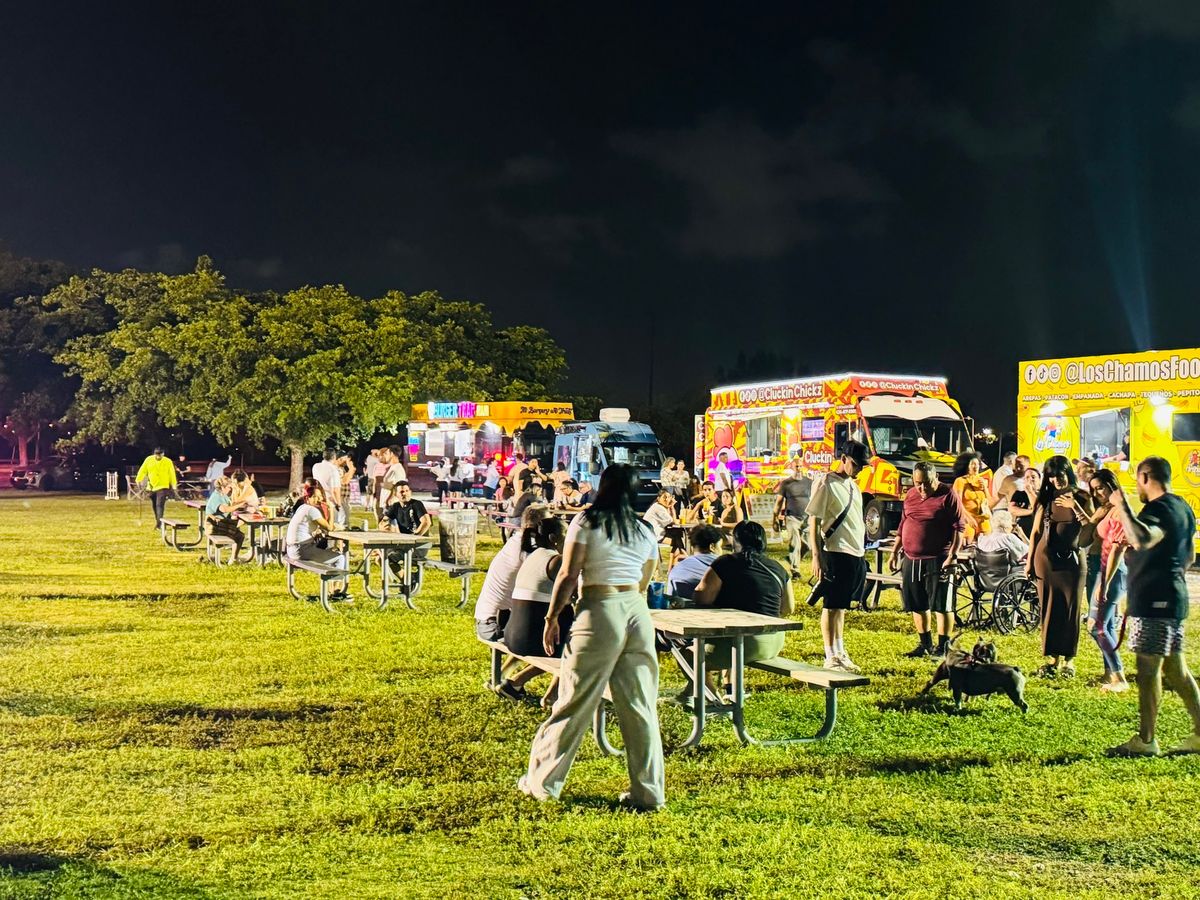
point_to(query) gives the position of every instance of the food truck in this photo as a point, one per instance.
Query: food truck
(478, 430)
(588, 448)
(753, 432)
(1117, 409)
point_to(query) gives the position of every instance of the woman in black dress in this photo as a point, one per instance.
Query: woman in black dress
(1060, 514)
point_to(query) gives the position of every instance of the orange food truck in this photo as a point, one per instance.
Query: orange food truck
(753, 432)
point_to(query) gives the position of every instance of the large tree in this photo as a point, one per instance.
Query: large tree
(305, 368)
(33, 390)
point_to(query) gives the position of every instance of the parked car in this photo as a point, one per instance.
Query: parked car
(56, 473)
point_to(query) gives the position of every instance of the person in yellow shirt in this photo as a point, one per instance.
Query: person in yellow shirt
(157, 475)
(972, 490)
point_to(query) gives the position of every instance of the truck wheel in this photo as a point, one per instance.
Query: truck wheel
(876, 521)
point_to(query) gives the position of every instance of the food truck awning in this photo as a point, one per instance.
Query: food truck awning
(913, 408)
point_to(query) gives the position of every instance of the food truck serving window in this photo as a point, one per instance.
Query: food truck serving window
(763, 436)
(1185, 428)
(1105, 434)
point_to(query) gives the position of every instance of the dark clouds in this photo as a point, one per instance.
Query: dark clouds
(801, 181)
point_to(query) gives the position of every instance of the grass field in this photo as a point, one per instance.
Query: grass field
(169, 729)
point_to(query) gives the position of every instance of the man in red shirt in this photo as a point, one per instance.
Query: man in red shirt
(927, 539)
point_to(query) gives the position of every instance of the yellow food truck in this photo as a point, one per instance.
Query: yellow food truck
(753, 432)
(1118, 409)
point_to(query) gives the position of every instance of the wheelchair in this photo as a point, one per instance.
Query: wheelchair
(1014, 602)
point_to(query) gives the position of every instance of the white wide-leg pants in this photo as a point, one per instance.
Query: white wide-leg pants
(611, 645)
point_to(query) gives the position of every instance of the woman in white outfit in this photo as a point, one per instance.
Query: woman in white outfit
(611, 645)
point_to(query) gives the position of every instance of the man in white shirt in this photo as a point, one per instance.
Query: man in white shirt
(329, 474)
(722, 478)
(393, 474)
(837, 535)
(369, 468)
(997, 498)
(1002, 538)
(216, 469)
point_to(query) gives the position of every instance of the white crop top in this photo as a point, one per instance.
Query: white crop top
(533, 582)
(609, 561)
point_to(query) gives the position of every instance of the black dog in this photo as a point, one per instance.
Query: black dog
(978, 674)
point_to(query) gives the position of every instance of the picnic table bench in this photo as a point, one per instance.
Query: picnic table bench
(454, 570)
(213, 546)
(879, 580)
(552, 665)
(170, 528)
(326, 573)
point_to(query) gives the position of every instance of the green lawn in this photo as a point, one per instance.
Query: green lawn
(169, 729)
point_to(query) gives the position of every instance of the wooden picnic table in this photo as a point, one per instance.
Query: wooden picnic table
(383, 541)
(700, 626)
(262, 545)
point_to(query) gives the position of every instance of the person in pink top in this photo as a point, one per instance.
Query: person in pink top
(1110, 589)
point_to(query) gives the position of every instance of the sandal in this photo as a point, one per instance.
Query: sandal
(1049, 670)
(1068, 670)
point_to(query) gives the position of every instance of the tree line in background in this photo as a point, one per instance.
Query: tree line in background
(118, 356)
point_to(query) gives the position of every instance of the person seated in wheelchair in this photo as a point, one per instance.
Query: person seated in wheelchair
(1002, 539)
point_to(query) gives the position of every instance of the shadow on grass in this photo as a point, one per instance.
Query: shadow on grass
(131, 597)
(53, 875)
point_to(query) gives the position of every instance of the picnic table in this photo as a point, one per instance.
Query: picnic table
(263, 545)
(700, 626)
(383, 541)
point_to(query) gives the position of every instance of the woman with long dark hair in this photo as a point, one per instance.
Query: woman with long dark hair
(749, 580)
(611, 645)
(1060, 514)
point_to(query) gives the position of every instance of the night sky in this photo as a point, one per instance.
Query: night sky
(938, 188)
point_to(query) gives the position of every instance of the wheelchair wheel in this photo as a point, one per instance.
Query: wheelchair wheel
(1017, 606)
(968, 611)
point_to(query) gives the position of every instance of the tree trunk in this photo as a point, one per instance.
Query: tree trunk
(22, 449)
(297, 473)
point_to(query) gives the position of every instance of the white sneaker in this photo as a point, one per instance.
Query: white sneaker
(833, 663)
(523, 787)
(1190, 744)
(846, 664)
(1135, 746)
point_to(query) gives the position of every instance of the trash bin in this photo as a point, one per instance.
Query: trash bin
(456, 535)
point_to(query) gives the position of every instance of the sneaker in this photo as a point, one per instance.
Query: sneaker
(1115, 687)
(1068, 670)
(510, 691)
(1135, 746)
(1190, 744)
(919, 652)
(626, 802)
(1049, 670)
(834, 664)
(846, 664)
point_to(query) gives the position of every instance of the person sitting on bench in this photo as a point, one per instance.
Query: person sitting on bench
(749, 580)
(686, 574)
(218, 514)
(542, 546)
(494, 604)
(305, 533)
(404, 513)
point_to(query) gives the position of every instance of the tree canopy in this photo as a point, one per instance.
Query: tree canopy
(303, 368)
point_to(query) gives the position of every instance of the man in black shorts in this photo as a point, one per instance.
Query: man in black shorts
(837, 534)
(1161, 540)
(927, 539)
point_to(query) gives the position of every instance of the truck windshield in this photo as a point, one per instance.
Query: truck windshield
(904, 439)
(642, 456)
